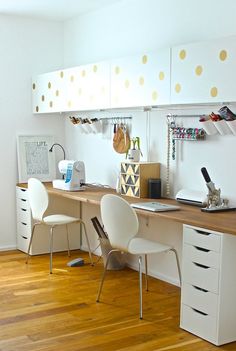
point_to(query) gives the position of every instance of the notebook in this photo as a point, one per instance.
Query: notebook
(154, 206)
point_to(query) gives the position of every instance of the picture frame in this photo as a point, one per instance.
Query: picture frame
(34, 158)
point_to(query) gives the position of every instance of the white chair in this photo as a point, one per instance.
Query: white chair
(38, 201)
(121, 224)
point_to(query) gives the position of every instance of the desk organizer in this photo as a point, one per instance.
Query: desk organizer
(134, 177)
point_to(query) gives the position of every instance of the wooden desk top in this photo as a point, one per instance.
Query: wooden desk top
(224, 222)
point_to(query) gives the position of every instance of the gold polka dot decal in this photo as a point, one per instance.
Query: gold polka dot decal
(182, 54)
(61, 74)
(49, 85)
(127, 83)
(223, 55)
(144, 59)
(83, 73)
(72, 79)
(161, 75)
(50, 104)
(214, 92)
(95, 68)
(117, 70)
(37, 109)
(34, 86)
(154, 95)
(141, 81)
(198, 70)
(177, 88)
(43, 98)
(57, 92)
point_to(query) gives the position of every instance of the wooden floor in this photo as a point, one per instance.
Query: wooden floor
(42, 312)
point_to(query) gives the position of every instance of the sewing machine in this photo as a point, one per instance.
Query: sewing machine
(74, 179)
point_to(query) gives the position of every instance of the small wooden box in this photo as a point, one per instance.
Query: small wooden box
(134, 177)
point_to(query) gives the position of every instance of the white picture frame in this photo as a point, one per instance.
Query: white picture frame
(34, 158)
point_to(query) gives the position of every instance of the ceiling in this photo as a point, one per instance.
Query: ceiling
(58, 10)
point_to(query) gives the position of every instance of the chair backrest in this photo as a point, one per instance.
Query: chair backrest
(38, 198)
(120, 221)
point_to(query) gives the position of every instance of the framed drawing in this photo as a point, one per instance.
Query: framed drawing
(34, 158)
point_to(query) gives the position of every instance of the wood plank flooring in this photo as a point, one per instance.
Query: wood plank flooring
(43, 312)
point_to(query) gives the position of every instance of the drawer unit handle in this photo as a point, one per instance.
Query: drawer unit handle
(23, 200)
(201, 265)
(23, 223)
(23, 190)
(202, 232)
(24, 237)
(23, 209)
(201, 289)
(201, 249)
(200, 312)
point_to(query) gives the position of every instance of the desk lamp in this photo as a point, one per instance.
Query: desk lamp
(64, 153)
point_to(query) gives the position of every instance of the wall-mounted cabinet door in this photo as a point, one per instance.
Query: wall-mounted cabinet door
(204, 72)
(87, 87)
(142, 80)
(49, 93)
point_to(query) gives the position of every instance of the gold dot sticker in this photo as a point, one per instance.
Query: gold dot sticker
(37, 109)
(72, 79)
(51, 104)
(49, 85)
(57, 92)
(198, 70)
(144, 59)
(177, 88)
(127, 83)
(223, 55)
(182, 54)
(117, 70)
(83, 73)
(161, 75)
(61, 74)
(214, 91)
(43, 98)
(154, 95)
(141, 81)
(95, 68)
(34, 86)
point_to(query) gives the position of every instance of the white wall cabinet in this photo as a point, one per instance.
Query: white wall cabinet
(75, 89)
(49, 93)
(40, 242)
(204, 72)
(208, 295)
(142, 80)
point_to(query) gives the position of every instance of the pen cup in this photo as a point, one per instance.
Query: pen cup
(154, 188)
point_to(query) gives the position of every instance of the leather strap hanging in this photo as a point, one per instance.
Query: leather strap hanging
(121, 139)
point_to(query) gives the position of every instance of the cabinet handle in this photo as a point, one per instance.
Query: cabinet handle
(23, 209)
(201, 249)
(24, 237)
(200, 312)
(201, 265)
(23, 223)
(201, 289)
(202, 232)
(23, 190)
(23, 200)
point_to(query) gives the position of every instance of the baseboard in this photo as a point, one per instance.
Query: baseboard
(8, 248)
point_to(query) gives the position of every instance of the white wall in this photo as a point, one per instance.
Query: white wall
(27, 47)
(139, 26)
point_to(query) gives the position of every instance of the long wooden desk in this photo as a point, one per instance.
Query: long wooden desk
(224, 222)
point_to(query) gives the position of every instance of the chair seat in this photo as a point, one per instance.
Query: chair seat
(59, 219)
(140, 246)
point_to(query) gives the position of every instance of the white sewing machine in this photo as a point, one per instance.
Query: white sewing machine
(74, 172)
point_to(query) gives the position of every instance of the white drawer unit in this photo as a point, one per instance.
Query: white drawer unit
(208, 306)
(40, 244)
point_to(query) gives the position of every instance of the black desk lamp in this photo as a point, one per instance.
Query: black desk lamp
(64, 153)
